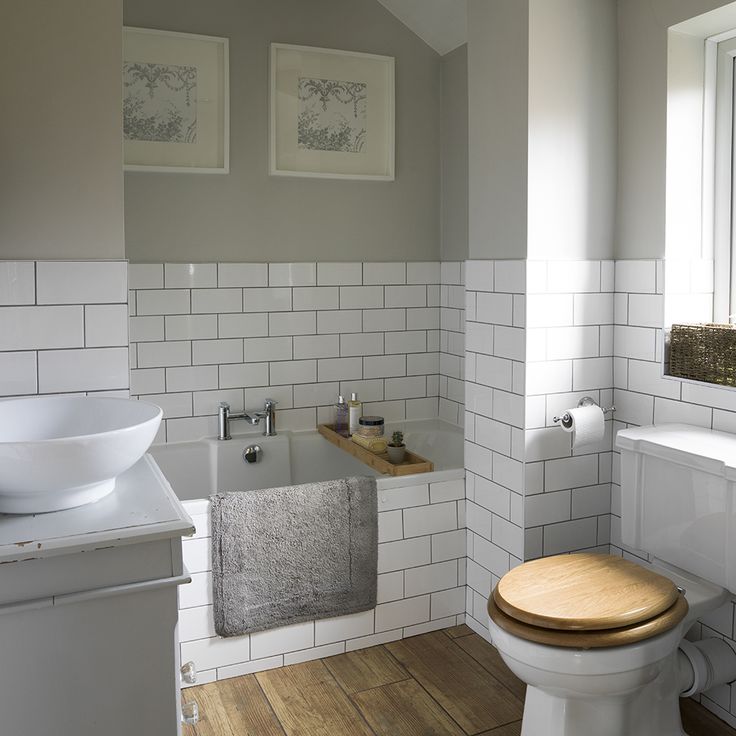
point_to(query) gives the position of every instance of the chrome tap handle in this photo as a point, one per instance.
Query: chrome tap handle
(223, 423)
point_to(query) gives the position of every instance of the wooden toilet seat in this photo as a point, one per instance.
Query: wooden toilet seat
(585, 601)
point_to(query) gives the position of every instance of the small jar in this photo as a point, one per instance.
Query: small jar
(370, 426)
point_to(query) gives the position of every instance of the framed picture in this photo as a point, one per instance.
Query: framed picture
(332, 113)
(175, 102)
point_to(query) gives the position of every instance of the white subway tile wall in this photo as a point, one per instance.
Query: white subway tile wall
(452, 340)
(63, 327)
(298, 332)
(421, 587)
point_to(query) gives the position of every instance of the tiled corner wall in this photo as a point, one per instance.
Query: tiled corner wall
(642, 395)
(63, 327)
(421, 586)
(452, 342)
(300, 333)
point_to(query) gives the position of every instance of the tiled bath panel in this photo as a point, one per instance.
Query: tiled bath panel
(421, 586)
(63, 328)
(300, 333)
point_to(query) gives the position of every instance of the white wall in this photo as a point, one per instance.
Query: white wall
(61, 184)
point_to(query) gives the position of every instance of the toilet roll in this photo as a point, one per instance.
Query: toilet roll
(587, 424)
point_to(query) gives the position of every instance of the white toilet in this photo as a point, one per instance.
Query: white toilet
(599, 639)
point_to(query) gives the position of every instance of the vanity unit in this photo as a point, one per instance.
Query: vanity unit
(88, 614)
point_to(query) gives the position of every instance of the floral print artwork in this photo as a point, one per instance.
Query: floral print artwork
(159, 102)
(332, 115)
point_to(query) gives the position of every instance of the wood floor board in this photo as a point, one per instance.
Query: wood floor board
(214, 719)
(457, 631)
(510, 729)
(308, 701)
(488, 657)
(466, 690)
(248, 710)
(699, 721)
(365, 669)
(404, 709)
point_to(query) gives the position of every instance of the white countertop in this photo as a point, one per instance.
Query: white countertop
(141, 508)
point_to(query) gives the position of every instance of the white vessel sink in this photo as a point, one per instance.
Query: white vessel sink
(59, 452)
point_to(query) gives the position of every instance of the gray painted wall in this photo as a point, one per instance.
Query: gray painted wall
(640, 231)
(61, 186)
(454, 131)
(249, 216)
(498, 73)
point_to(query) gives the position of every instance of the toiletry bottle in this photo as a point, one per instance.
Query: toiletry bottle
(341, 416)
(355, 408)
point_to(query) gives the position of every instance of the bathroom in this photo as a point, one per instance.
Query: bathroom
(508, 261)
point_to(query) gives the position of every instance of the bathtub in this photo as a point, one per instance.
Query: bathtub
(421, 556)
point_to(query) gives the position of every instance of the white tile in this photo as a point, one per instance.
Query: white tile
(190, 275)
(242, 274)
(96, 369)
(591, 501)
(406, 296)
(403, 497)
(412, 387)
(592, 373)
(430, 578)
(479, 579)
(196, 623)
(490, 556)
(371, 390)
(497, 309)
(247, 668)
(282, 639)
(262, 349)
(390, 526)
(508, 472)
(635, 342)
(339, 274)
(510, 342)
(402, 613)
(31, 328)
(190, 429)
(451, 272)
(593, 309)
(384, 366)
(548, 377)
(549, 310)
(306, 655)
(292, 274)
(216, 652)
(216, 301)
(147, 381)
(384, 273)
(607, 276)
(164, 354)
(718, 397)
(573, 276)
(384, 320)
(297, 420)
(105, 325)
(196, 593)
(478, 459)
(423, 318)
(422, 363)
(572, 472)
(81, 282)
(146, 275)
(255, 396)
(239, 376)
(316, 297)
(491, 496)
(343, 627)
(17, 373)
(508, 408)
(546, 444)
(492, 434)
(646, 378)
(339, 369)
(197, 378)
(447, 603)
(316, 346)
(508, 536)
(292, 323)
(673, 412)
(479, 275)
(196, 554)
(362, 343)
(646, 310)
(361, 297)
(242, 325)
(449, 490)
(17, 282)
(510, 276)
(207, 402)
(267, 300)
(479, 337)
(495, 372)
(423, 272)
(636, 276)
(372, 641)
(209, 352)
(163, 301)
(569, 536)
(572, 342)
(316, 394)
(350, 320)
(403, 554)
(431, 519)
(633, 408)
(448, 545)
(190, 326)
(147, 329)
(295, 371)
(547, 508)
(426, 408)
(174, 406)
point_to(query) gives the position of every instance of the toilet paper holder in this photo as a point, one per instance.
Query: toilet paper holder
(585, 401)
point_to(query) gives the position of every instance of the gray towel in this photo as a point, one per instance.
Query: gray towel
(291, 554)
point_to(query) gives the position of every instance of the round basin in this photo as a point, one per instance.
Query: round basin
(58, 452)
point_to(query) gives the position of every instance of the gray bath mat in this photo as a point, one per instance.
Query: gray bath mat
(291, 554)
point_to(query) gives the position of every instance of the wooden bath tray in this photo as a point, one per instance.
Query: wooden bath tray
(413, 463)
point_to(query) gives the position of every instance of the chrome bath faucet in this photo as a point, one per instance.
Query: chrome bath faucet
(224, 416)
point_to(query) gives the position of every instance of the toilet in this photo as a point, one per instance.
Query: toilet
(599, 639)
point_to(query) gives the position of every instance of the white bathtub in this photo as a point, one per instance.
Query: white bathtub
(421, 543)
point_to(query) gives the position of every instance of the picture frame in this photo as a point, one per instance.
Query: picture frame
(332, 114)
(176, 114)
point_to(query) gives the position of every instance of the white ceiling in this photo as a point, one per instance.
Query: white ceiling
(443, 24)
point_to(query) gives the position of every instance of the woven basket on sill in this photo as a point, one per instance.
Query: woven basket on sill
(705, 352)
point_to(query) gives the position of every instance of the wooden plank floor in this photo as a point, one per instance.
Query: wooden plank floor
(445, 683)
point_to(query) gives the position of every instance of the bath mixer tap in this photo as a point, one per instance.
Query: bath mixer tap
(224, 416)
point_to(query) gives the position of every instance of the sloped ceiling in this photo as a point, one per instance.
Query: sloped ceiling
(443, 24)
